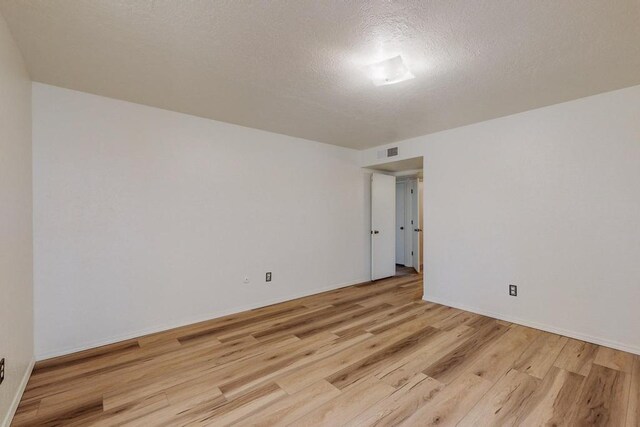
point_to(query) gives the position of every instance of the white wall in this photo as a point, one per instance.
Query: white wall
(547, 199)
(147, 219)
(16, 254)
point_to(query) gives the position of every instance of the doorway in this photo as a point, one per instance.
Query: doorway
(397, 219)
(409, 223)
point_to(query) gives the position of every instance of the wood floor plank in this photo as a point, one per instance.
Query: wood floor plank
(85, 356)
(390, 353)
(633, 411)
(132, 412)
(614, 359)
(577, 356)
(398, 373)
(51, 406)
(329, 366)
(552, 402)
(244, 372)
(301, 378)
(234, 323)
(462, 318)
(302, 322)
(267, 324)
(503, 404)
(116, 373)
(81, 366)
(451, 404)
(455, 362)
(201, 389)
(337, 321)
(541, 354)
(351, 402)
(239, 408)
(80, 412)
(369, 354)
(292, 407)
(220, 412)
(603, 399)
(502, 355)
(396, 321)
(249, 347)
(241, 385)
(379, 317)
(26, 413)
(401, 404)
(142, 389)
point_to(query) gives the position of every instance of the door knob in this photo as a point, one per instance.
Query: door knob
(401, 228)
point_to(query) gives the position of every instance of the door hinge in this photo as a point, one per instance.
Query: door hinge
(411, 253)
(412, 191)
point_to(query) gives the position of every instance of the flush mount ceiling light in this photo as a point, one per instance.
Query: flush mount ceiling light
(389, 71)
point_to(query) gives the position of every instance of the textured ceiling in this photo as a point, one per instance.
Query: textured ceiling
(297, 67)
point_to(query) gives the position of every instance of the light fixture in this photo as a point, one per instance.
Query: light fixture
(389, 71)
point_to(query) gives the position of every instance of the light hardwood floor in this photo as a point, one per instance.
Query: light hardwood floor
(372, 354)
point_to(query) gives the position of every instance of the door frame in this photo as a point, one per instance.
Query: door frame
(407, 169)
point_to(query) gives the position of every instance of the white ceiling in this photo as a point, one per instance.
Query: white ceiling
(296, 67)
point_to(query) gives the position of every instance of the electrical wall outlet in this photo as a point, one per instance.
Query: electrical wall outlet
(1, 370)
(268, 278)
(513, 290)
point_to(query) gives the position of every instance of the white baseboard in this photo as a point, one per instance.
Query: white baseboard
(544, 327)
(16, 399)
(164, 327)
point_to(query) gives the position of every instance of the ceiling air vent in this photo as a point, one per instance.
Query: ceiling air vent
(392, 152)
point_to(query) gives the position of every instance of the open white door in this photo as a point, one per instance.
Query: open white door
(400, 221)
(408, 229)
(415, 225)
(383, 226)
